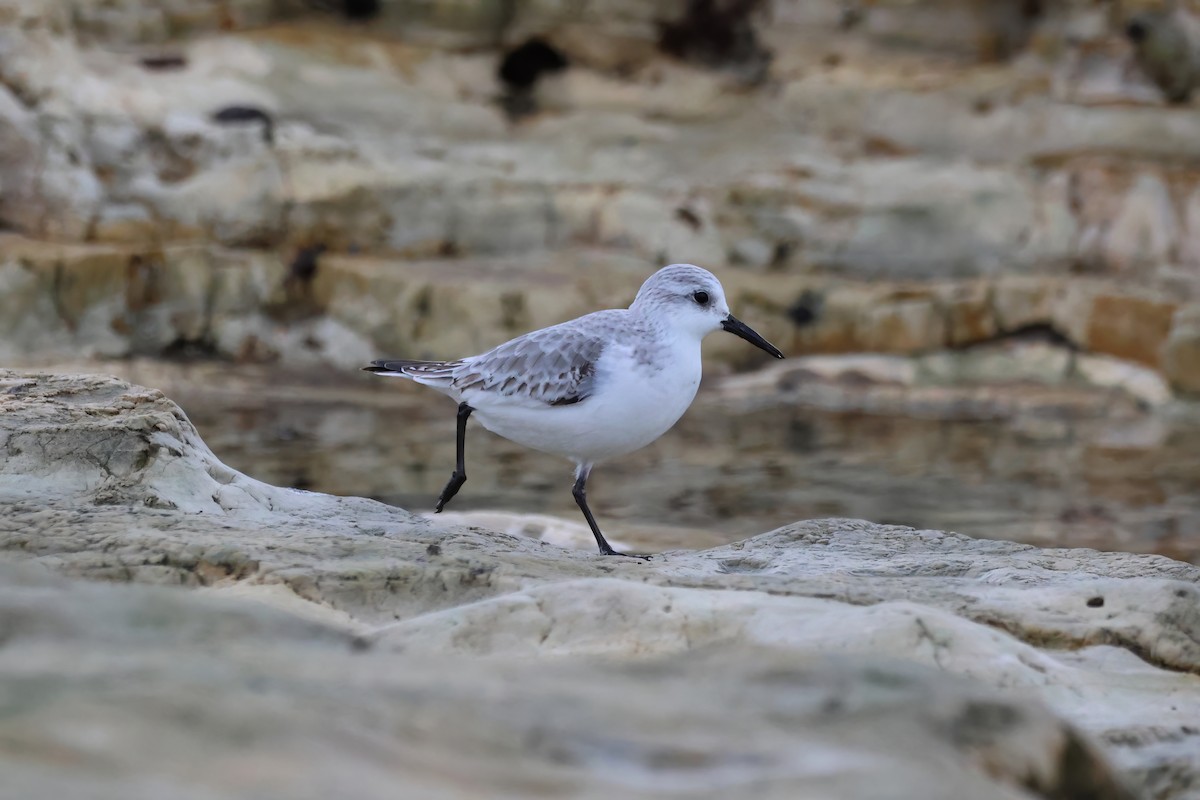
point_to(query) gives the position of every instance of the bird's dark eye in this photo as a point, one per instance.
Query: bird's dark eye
(700, 297)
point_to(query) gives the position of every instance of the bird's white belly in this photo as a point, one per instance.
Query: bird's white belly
(629, 409)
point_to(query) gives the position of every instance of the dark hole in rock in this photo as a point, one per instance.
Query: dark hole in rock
(241, 115)
(806, 309)
(851, 16)
(304, 266)
(163, 62)
(689, 217)
(1040, 332)
(714, 33)
(1095, 602)
(360, 9)
(781, 253)
(522, 66)
(184, 349)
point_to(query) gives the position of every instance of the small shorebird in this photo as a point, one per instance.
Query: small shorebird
(599, 386)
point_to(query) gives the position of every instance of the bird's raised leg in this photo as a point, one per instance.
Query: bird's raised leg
(580, 493)
(460, 469)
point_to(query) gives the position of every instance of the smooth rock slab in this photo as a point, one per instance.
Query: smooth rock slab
(101, 479)
(231, 711)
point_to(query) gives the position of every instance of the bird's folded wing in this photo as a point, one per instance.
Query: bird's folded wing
(554, 366)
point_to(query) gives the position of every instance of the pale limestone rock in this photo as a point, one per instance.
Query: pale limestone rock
(126, 22)
(1190, 248)
(970, 314)
(876, 368)
(903, 326)
(652, 224)
(1132, 325)
(1181, 357)
(1024, 384)
(561, 620)
(1107, 372)
(573, 535)
(114, 301)
(1035, 362)
(443, 726)
(753, 252)
(111, 481)
(1146, 230)
(1073, 314)
(19, 156)
(891, 162)
(915, 216)
(1023, 301)
(29, 321)
(980, 29)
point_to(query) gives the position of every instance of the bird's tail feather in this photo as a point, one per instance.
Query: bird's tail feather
(420, 371)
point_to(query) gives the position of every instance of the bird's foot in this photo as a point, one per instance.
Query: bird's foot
(610, 552)
(457, 479)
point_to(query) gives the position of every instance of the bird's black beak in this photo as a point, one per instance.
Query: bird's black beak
(741, 329)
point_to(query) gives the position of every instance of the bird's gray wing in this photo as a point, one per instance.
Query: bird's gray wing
(554, 366)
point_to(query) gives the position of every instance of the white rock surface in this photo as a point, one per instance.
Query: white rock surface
(130, 685)
(106, 481)
(543, 527)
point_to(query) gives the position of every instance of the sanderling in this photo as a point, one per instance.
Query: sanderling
(599, 386)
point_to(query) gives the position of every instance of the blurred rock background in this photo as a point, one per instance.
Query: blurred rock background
(989, 193)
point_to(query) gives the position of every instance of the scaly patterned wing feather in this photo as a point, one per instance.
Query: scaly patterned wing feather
(555, 366)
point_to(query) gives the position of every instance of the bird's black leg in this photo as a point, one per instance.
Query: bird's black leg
(580, 493)
(460, 470)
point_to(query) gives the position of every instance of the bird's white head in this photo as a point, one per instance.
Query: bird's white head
(691, 301)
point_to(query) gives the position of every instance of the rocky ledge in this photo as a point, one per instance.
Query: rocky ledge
(169, 624)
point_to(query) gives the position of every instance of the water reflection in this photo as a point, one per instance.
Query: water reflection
(1128, 485)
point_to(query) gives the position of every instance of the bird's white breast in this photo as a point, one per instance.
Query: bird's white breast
(637, 397)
